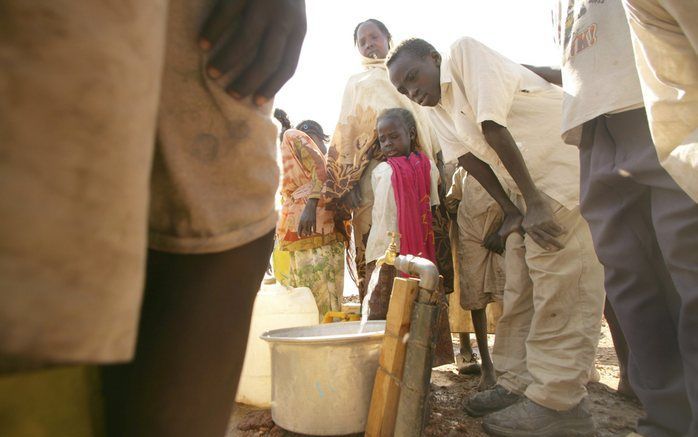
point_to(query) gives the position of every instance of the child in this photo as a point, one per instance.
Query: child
(501, 121)
(404, 189)
(480, 267)
(306, 229)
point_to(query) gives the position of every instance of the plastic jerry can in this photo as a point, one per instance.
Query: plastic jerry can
(276, 306)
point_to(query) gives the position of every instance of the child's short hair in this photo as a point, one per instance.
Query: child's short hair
(381, 27)
(312, 127)
(414, 46)
(406, 117)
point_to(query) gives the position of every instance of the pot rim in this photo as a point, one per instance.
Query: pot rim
(272, 336)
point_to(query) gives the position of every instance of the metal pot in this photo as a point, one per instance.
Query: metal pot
(322, 376)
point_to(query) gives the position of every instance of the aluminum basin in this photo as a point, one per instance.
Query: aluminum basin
(322, 376)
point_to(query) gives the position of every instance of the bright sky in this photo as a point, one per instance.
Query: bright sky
(519, 29)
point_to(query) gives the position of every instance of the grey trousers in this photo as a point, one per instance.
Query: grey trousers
(645, 231)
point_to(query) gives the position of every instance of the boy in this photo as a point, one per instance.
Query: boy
(502, 121)
(477, 249)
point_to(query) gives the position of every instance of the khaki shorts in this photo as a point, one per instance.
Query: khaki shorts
(112, 140)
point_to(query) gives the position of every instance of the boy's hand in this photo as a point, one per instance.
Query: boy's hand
(306, 225)
(494, 242)
(540, 225)
(256, 44)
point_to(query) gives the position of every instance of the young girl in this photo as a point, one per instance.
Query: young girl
(306, 229)
(404, 190)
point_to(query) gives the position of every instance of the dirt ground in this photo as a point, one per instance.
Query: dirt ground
(614, 415)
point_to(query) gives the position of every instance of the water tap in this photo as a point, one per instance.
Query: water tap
(391, 252)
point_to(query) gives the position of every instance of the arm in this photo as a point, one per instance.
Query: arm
(552, 75)
(455, 194)
(443, 183)
(538, 221)
(311, 161)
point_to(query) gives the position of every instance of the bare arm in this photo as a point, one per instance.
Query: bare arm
(538, 221)
(552, 75)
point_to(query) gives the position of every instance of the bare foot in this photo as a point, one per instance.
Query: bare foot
(467, 365)
(487, 380)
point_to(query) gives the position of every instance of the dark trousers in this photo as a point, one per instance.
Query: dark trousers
(645, 231)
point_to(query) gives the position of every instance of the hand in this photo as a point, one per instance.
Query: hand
(511, 223)
(495, 242)
(540, 225)
(353, 199)
(256, 44)
(306, 225)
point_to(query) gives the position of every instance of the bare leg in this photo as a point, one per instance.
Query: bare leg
(191, 345)
(488, 379)
(621, 347)
(465, 349)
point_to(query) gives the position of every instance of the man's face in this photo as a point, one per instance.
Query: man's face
(418, 78)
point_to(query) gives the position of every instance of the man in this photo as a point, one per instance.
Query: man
(645, 227)
(500, 121)
(87, 88)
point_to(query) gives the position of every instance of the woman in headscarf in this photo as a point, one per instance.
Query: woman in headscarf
(354, 150)
(306, 229)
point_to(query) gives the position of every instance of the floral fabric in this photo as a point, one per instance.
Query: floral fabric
(303, 178)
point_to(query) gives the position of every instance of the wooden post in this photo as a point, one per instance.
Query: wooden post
(386, 389)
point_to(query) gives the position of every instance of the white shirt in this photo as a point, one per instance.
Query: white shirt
(598, 67)
(479, 84)
(384, 213)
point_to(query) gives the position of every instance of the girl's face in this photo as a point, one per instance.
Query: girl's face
(394, 137)
(371, 42)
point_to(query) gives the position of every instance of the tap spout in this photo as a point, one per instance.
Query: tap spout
(423, 268)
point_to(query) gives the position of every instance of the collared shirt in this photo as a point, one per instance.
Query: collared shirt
(479, 84)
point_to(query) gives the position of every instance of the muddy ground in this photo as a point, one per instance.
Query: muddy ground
(614, 415)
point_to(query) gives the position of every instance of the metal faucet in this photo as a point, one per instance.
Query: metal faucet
(391, 252)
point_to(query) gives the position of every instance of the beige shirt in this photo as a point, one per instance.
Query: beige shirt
(667, 63)
(598, 67)
(479, 84)
(384, 213)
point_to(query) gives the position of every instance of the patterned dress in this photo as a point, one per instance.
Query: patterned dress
(315, 261)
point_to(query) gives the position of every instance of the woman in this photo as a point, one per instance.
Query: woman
(354, 146)
(306, 230)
